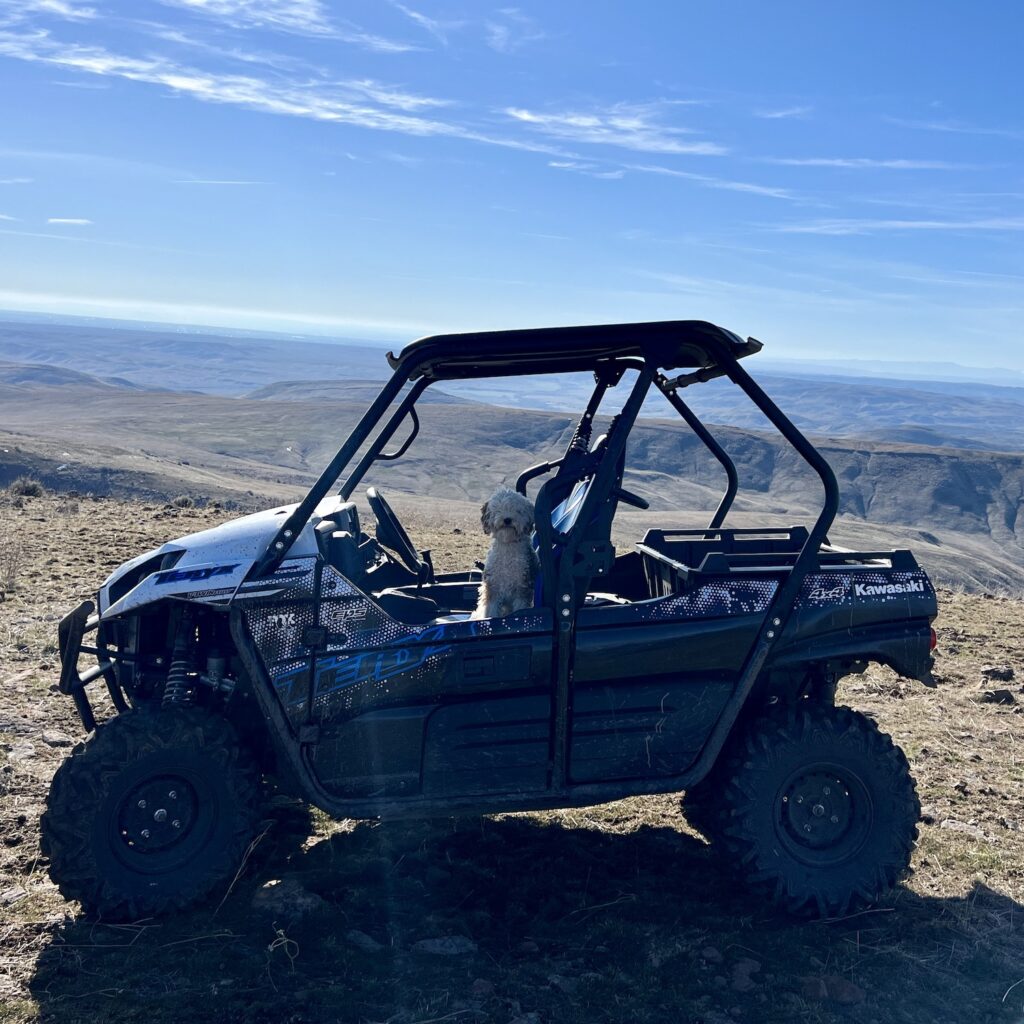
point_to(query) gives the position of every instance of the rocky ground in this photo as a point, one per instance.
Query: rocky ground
(616, 913)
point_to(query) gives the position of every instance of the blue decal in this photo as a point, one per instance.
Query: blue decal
(342, 671)
(194, 575)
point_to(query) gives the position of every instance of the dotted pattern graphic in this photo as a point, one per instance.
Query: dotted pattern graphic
(714, 599)
(369, 654)
(845, 588)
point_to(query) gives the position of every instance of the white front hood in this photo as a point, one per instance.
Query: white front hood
(211, 563)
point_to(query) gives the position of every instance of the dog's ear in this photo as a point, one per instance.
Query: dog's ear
(485, 514)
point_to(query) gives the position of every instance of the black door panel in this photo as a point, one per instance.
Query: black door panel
(640, 729)
(639, 652)
(491, 745)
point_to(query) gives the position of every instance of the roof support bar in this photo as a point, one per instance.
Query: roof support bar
(695, 424)
(290, 528)
(806, 561)
(387, 432)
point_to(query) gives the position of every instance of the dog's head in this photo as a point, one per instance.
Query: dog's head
(507, 516)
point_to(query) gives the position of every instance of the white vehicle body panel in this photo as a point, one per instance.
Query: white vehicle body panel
(213, 563)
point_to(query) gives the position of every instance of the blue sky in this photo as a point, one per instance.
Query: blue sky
(837, 180)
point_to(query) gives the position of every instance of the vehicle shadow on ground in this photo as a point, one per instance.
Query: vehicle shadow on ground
(531, 919)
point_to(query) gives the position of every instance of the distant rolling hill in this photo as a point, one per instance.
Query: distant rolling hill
(361, 391)
(944, 412)
(937, 462)
(119, 441)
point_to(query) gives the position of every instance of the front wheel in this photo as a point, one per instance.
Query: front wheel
(150, 814)
(817, 810)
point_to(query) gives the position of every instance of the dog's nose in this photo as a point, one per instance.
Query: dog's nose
(508, 520)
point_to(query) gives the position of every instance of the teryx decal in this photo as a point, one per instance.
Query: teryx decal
(194, 575)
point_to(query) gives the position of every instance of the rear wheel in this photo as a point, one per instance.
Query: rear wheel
(151, 813)
(816, 808)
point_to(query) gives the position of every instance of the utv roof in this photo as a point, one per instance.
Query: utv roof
(668, 344)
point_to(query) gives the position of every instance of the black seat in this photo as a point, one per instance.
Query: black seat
(407, 608)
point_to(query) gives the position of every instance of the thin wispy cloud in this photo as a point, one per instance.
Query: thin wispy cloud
(956, 128)
(391, 96)
(217, 181)
(590, 170)
(77, 84)
(865, 162)
(852, 226)
(784, 113)
(7, 216)
(196, 313)
(231, 53)
(627, 126)
(438, 29)
(720, 183)
(307, 17)
(87, 239)
(304, 98)
(298, 17)
(509, 30)
(72, 221)
(12, 11)
(16, 181)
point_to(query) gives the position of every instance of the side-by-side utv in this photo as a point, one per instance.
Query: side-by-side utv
(303, 645)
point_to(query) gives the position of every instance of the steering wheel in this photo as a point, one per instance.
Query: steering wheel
(391, 533)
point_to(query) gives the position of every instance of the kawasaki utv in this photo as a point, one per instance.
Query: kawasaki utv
(302, 645)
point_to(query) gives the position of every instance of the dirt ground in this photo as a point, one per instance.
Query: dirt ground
(614, 913)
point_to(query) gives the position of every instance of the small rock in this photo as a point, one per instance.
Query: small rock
(711, 955)
(8, 897)
(55, 738)
(22, 751)
(447, 945)
(814, 990)
(566, 985)
(287, 899)
(741, 975)
(961, 826)
(928, 815)
(833, 988)
(362, 941)
(998, 697)
(843, 991)
(1002, 673)
(482, 988)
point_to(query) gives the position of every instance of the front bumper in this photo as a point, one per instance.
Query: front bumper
(70, 636)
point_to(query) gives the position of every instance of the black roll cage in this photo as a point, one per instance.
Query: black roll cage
(608, 351)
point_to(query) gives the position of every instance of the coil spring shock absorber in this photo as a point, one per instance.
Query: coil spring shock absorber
(176, 688)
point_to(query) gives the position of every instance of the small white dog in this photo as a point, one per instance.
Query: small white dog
(512, 565)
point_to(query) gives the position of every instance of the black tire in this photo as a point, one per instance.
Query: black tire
(150, 814)
(817, 810)
(700, 807)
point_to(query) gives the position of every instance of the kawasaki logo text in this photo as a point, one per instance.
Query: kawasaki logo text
(885, 589)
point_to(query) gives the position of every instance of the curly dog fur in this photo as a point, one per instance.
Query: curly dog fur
(511, 566)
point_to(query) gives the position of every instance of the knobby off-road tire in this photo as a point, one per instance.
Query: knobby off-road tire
(150, 814)
(816, 810)
(701, 807)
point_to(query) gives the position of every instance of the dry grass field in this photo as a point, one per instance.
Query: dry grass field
(615, 913)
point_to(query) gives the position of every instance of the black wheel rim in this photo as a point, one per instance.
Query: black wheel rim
(162, 821)
(823, 814)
